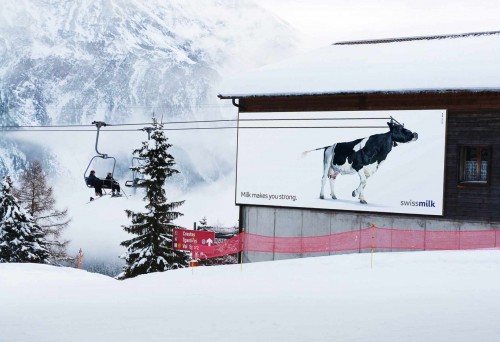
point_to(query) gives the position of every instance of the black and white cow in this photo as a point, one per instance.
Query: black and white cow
(361, 156)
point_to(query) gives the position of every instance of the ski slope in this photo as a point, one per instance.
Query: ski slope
(411, 296)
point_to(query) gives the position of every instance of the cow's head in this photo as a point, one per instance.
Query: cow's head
(401, 134)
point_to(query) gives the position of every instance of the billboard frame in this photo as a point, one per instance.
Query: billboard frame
(391, 112)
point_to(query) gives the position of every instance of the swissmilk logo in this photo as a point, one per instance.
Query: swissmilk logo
(426, 203)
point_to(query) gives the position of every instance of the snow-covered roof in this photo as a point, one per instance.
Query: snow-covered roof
(468, 61)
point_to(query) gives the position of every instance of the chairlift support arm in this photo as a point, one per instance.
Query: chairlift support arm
(99, 124)
(148, 130)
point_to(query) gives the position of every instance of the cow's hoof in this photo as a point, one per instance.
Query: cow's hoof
(321, 197)
(334, 197)
(363, 202)
(354, 193)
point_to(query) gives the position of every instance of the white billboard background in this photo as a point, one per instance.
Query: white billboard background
(271, 170)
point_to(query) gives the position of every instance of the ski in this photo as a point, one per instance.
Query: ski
(93, 199)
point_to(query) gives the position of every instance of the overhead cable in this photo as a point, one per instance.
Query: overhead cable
(10, 127)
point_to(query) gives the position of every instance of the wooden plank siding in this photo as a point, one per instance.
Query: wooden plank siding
(473, 118)
(452, 100)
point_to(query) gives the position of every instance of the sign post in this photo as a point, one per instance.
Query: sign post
(196, 241)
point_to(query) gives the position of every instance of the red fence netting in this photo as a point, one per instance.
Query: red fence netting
(357, 240)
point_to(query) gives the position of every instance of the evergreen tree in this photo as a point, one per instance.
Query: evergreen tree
(21, 239)
(203, 222)
(151, 250)
(36, 197)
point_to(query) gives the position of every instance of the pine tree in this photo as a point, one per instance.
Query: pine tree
(151, 250)
(36, 197)
(203, 222)
(21, 239)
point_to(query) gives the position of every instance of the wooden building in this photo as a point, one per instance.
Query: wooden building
(457, 73)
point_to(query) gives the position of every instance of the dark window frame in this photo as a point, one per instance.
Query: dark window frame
(462, 148)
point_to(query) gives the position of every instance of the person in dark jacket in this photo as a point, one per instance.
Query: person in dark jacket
(95, 182)
(111, 183)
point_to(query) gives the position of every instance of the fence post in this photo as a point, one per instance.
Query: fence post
(80, 259)
(242, 248)
(360, 235)
(459, 239)
(373, 244)
(425, 237)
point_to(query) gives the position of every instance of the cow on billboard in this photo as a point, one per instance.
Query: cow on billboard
(362, 156)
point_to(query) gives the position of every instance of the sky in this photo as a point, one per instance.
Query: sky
(392, 297)
(323, 22)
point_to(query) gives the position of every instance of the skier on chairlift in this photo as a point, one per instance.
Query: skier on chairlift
(110, 182)
(95, 182)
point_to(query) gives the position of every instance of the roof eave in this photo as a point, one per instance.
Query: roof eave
(408, 91)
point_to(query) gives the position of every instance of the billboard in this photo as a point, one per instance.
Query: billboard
(378, 161)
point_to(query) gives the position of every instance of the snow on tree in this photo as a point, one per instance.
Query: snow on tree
(203, 222)
(151, 248)
(21, 238)
(36, 197)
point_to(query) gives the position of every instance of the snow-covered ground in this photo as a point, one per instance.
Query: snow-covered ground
(412, 296)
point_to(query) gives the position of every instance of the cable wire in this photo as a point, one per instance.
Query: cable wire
(192, 128)
(18, 127)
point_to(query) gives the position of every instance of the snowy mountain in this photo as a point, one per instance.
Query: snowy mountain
(75, 61)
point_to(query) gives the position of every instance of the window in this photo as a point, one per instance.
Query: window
(474, 164)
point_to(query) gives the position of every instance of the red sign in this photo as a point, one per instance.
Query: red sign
(196, 241)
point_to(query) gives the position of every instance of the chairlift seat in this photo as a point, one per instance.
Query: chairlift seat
(136, 183)
(106, 183)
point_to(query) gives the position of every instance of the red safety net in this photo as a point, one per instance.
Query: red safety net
(357, 240)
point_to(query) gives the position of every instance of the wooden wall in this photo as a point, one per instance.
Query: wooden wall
(473, 118)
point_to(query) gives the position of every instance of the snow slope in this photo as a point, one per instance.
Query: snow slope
(77, 61)
(412, 296)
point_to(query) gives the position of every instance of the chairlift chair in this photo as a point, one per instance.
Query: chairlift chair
(105, 185)
(138, 180)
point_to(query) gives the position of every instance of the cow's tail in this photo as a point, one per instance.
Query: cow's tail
(316, 149)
